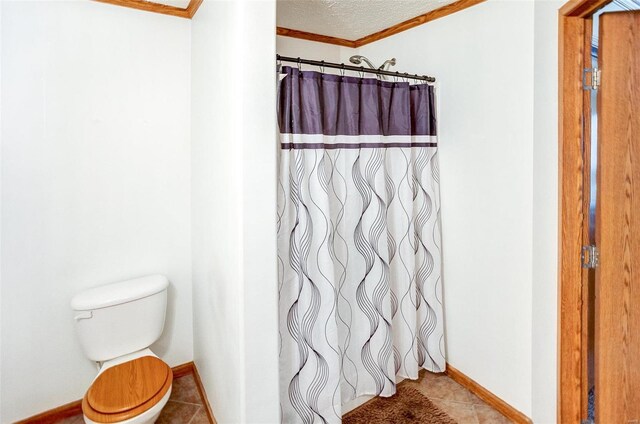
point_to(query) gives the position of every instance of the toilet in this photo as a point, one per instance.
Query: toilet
(116, 323)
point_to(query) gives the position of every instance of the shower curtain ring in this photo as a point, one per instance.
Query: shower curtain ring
(322, 66)
(342, 69)
(299, 64)
(362, 72)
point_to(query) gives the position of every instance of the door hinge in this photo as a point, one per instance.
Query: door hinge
(590, 256)
(592, 82)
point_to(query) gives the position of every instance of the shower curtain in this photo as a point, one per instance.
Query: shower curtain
(359, 251)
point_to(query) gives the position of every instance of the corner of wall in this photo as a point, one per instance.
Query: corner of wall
(234, 168)
(545, 217)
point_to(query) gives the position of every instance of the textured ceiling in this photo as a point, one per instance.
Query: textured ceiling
(182, 4)
(350, 19)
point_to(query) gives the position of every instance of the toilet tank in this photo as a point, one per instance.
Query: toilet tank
(120, 318)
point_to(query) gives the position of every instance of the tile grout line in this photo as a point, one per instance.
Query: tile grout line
(186, 403)
(194, 415)
(473, 405)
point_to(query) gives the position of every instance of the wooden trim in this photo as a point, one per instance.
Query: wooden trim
(573, 108)
(286, 32)
(494, 401)
(570, 190)
(193, 7)
(572, 168)
(586, 201)
(418, 20)
(387, 32)
(182, 370)
(148, 6)
(203, 394)
(582, 8)
(164, 9)
(52, 416)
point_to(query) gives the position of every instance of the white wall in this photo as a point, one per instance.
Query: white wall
(0, 211)
(233, 219)
(262, 400)
(483, 60)
(95, 182)
(295, 47)
(216, 210)
(545, 212)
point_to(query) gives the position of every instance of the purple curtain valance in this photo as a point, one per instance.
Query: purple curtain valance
(315, 103)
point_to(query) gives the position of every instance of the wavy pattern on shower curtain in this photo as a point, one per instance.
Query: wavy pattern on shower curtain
(359, 261)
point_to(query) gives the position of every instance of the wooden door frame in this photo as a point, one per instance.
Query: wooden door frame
(575, 23)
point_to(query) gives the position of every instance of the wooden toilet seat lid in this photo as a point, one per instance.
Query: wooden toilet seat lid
(128, 389)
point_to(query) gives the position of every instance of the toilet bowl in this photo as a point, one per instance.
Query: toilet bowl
(116, 324)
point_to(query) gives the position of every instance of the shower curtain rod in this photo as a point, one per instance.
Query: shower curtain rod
(342, 66)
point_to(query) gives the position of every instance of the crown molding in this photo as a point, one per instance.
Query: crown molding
(193, 6)
(387, 32)
(294, 33)
(164, 9)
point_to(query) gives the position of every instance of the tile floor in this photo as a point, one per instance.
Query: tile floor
(458, 402)
(185, 405)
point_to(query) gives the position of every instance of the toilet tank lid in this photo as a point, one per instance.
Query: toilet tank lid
(118, 293)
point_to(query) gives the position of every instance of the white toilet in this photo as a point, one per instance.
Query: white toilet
(116, 324)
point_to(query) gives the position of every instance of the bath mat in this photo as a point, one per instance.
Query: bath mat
(407, 406)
